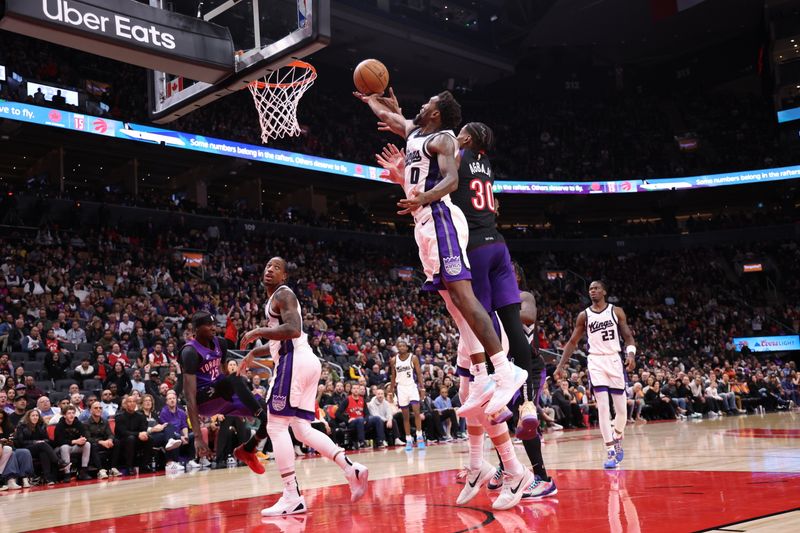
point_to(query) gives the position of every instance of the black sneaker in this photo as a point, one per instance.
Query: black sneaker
(83, 475)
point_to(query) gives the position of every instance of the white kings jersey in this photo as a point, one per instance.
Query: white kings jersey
(422, 169)
(404, 372)
(603, 331)
(279, 348)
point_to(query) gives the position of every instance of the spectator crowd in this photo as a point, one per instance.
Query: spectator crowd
(93, 322)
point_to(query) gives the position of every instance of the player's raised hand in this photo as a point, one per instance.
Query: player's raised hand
(409, 205)
(247, 339)
(392, 159)
(244, 365)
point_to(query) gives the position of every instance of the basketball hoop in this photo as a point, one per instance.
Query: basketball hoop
(276, 97)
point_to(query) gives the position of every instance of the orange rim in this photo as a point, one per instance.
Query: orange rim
(308, 78)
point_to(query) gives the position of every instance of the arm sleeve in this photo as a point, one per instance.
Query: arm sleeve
(190, 360)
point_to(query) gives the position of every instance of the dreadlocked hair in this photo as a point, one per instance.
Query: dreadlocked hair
(482, 136)
(523, 280)
(449, 110)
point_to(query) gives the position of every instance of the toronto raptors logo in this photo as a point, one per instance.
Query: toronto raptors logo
(452, 265)
(278, 402)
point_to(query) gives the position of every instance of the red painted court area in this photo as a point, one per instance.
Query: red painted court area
(587, 500)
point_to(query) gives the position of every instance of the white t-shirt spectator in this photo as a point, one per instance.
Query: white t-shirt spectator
(126, 327)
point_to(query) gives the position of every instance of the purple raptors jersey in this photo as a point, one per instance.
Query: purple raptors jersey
(208, 371)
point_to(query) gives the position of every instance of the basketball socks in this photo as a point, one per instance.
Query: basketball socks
(510, 462)
(604, 415)
(533, 448)
(500, 363)
(478, 370)
(475, 447)
(290, 487)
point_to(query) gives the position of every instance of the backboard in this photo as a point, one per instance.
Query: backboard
(267, 34)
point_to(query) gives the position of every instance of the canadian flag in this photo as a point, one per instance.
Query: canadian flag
(663, 9)
(175, 86)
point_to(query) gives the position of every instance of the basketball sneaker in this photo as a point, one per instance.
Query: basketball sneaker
(611, 461)
(528, 421)
(475, 479)
(480, 392)
(513, 489)
(409, 444)
(508, 383)
(540, 489)
(421, 442)
(497, 480)
(249, 458)
(618, 451)
(287, 504)
(358, 477)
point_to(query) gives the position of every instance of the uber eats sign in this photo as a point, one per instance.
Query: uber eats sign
(127, 31)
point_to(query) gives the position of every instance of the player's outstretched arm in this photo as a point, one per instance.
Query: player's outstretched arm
(245, 363)
(572, 344)
(190, 393)
(527, 311)
(627, 336)
(443, 146)
(388, 112)
(393, 383)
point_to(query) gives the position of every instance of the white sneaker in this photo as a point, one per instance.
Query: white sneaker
(114, 472)
(102, 474)
(480, 392)
(398, 442)
(26, 483)
(286, 505)
(194, 465)
(204, 462)
(3, 488)
(508, 383)
(172, 444)
(12, 484)
(174, 468)
(298, 452)
(513, 489)
(557, 427)
(358, 478)
(475, 479)
(712, 414)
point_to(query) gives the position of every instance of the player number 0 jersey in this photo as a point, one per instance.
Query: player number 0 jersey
(422, 171)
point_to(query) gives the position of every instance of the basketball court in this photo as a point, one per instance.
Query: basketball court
(734, 474)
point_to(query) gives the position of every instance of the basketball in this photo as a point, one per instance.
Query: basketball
(371, 77)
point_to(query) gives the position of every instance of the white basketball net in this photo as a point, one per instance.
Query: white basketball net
(276, 98)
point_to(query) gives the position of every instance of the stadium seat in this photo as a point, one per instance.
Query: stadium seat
(56, 397)
(19, 357)
(63, 384)
(41, 356)
(86, 347)
(33, 367)
(92, 385)
(45, 384)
